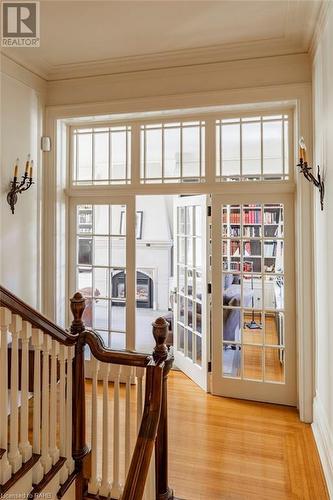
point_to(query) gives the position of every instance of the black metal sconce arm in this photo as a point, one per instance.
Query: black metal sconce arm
(18, 187)
(318, 182)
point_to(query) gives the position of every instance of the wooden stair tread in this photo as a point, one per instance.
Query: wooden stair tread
(20, 473)
(47, 478)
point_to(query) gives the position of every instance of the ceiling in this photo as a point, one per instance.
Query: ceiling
(83, 38)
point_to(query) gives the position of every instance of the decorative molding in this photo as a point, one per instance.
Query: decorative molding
(324, 441)
(322, 17)
(24, 75)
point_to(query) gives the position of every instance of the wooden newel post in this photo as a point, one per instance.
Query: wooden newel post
(162, 354)
(79, 447)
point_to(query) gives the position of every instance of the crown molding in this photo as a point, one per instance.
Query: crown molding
(322, 18)
(163, 60)
(15, 70)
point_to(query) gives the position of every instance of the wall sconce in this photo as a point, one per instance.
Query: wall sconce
(306, 171)
(18, 187)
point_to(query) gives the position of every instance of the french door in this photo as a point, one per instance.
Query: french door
(191, 325)
(253, 298)
(102, 249)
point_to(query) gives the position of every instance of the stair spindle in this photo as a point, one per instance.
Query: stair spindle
(14, 455)
(25, 446)
(54, 450)
(5, 320)
(37, 343)
(94, 483)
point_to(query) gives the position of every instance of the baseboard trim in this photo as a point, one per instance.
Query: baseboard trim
(324, 441)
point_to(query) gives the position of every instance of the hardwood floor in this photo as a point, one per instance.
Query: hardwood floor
(230, 449)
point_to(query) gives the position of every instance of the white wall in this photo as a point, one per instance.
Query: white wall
(323, 236)
(20, 122)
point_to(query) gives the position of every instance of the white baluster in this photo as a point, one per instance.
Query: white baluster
(69, 393)
(105, 484)
(54, 450)
(46, 458)
(25, 446)
(37, 342)
(140, 372)
(94, 483)
(14, 455)
(5, 320)
(62, 409)
(127, 373)
(116, 487)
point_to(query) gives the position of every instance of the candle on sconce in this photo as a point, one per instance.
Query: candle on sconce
(31, 167)
(16, 168)
(27, 165)
(302, 150)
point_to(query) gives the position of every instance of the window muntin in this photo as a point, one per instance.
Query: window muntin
(100, 261)
(172, 152)
(101, 155)
(252, 148)
(253, 292)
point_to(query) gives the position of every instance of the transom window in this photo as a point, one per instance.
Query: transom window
(240, 148)
(252, 148)
(102, 155)
(173, 152)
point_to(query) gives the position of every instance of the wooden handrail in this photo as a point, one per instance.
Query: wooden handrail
(121, 357)
(144, 447)
(37, 320)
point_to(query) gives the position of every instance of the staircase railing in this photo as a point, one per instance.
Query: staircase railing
(45, 393)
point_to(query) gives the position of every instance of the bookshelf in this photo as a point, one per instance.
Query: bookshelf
(252, 231)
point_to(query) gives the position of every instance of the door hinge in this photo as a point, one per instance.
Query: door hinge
(209, 211)
(209, 366)
(209, 288)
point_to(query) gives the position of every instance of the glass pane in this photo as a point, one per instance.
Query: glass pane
(101, 251)
(198, 341)
(181, 308)
(118, 252)
(189, 220)
(253, 362)
(84, 281)
(191, 152)
(189, 313)
(101, 219)
(84, 219)
(272, 147)
(198, 221)
(274, 328)
(118, 318)
(273, 252)
(84, 143)
(153, 154)
(198, 309)
(231, 150)
(198, 286)
(181, 220)
(118, 220)
(189, 337)
(181, 279)
(181, 338)
(101, 314)
(118, 283)
(274, 364)
(181, 250)
(251, 148)
(85, 251)
(273, 221)
(117, 341)
(190, 282)
(189, 251)
(274, 292)
(101, 282)
(252, 291)
(172, 152)
(101, 156)
(231, 360)
(118, 155)
(253, 327)
(231, 321)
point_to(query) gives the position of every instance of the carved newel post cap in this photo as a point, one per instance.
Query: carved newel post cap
(160, 332)
(78, 304)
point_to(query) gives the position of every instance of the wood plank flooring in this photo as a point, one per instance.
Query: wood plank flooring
(230, 449)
